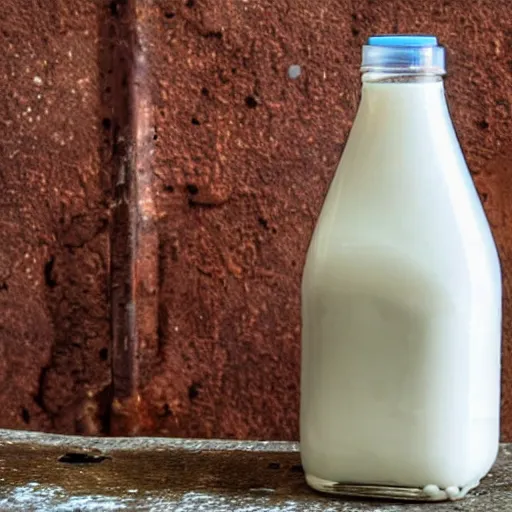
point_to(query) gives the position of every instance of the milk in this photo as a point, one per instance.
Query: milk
(401, 309)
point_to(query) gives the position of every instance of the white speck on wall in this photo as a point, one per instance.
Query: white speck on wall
(294, 71)
(38, 80)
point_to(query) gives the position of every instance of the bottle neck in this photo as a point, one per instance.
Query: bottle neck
(403, 97)
(397, 77)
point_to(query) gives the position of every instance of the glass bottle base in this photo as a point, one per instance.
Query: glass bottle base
(428, 493)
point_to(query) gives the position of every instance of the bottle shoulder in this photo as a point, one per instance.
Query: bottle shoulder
(403, 186)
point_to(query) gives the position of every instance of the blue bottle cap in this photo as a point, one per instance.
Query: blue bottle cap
(403, 54)
(403, 40)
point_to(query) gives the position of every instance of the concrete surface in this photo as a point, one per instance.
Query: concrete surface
(48, 473)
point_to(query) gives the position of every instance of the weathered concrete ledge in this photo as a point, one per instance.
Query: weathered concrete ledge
(43, 472)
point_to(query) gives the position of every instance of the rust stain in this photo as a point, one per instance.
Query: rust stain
(134, 238)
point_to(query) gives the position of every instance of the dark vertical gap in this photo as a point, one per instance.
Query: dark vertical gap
(124, 340)
(127, 117)
(107, 35)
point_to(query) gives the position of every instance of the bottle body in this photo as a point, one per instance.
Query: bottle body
(401, 309)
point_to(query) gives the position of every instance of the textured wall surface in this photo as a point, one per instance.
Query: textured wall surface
(54, 327)
(228, 190)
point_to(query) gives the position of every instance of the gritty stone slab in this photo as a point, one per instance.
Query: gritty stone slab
(61, 473)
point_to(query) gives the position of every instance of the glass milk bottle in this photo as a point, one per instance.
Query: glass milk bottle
(401, 298)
